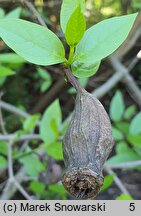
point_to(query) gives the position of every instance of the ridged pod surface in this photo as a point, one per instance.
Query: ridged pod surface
(86, 146)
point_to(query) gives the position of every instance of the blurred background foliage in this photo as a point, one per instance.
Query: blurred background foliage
(43, 93)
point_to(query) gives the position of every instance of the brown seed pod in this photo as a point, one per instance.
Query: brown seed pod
(86, 145)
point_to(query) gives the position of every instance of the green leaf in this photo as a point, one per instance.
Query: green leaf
(44, 86)
(3, 163)
(2, 13)
(2, 80)
(124, 156)
(134, 140)
(37, 187)
(14, 13)
(55, 150)
(84, 69)
(5, 71)
(32, 165)
(67, 8)
(57, 189)
(135, 126)
(104, 38)
(129, 112)
(75, 28)
(124, 197)
(108, 180)
(46, 77)
(33, 42)
(3, 147)
(117, 134)
(50, 123)
(11, 58)
(43, 73)
(117, 107)
(31, 122)
(122, 147)
(83, 81)
(123, 127)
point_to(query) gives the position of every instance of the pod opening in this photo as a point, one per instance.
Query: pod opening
(82, 183)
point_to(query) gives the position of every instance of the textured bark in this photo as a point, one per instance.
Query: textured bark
(86, 145)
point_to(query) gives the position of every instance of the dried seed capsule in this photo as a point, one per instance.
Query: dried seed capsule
(86, 145)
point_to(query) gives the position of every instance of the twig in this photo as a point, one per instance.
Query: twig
(112, 81)
(13, 109)
(117, 181)
(49, 96)
(31, 8)
(128, 80)
(74, 82)
(124, 165)
(129, 43)
(11, 187)
(10, 162)
(2, 126)
(21, 189)
(20, 138)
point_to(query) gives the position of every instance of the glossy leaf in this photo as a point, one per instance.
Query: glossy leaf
(123, 127)
(3, 147)
(2, 13)
(32, 165)
(11, 58)
(57, 190)
(108, 180)
(67, 8)
(135, 126)
(55, 151)
(14, 13)
(2, 80)
(84, 69)
(3, 163)
(104, 38)
(124, 197)
(134, 140)
(33, 42)
(46, 79)
(75, 27)
(31, 122)
(5, 71)
(50, 123)
(121, 147)
(129, 112)
(117, 107)
(117, 134)
(37, 187)
(124, 157)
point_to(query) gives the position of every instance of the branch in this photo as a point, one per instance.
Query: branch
(128, 79)
(130, 42)
(2, 125)
(22, 190)
(13, 109)
(73, 81)
(12, 187)
(10, 162)
(117, 181)
(21, 138)
(112, 81)
(124, 165)
(33, 10)
(49, 96)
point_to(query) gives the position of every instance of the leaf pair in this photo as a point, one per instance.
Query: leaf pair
(41, 46)
(98, 42)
